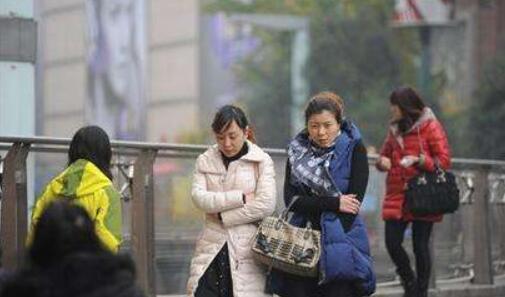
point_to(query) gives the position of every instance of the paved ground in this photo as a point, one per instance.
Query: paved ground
(447, 290)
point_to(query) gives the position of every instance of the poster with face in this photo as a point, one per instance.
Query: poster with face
(116, 67)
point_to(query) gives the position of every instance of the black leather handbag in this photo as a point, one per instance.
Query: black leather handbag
(432, 193)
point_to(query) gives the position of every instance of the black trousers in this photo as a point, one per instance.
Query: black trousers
(216, 281)
(421, 232)
(298, 286)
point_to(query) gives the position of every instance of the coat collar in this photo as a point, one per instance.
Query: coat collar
(426, 116)
(211, 160)
(255, 153)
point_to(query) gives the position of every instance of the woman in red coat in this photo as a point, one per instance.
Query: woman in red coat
(416, 142)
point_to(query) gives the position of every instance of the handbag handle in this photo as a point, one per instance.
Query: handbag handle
(438, 168)
(284, 213)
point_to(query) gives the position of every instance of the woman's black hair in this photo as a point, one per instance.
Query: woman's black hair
(225, 117)
(91, 143)
(322, 101)
(411, 105)
(62, 229)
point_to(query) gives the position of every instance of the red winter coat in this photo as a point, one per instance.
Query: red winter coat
(433, 139)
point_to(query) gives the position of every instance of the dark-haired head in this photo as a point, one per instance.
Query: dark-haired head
(323, 118)
(231, 128)
(325, 101)
(62, 229)
(92, 143)
(410, 105)
(226, 115)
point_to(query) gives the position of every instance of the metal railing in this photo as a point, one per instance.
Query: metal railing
(470, 243)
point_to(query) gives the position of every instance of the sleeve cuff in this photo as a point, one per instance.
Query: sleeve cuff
(332, 204)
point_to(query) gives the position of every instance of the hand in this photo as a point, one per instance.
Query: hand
(384, 163)
(249, 197)
(409, 160)
(349, 204)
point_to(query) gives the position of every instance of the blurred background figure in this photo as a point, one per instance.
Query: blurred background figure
(116, 58)
(67, 258)
(87, 181)
(416, 142)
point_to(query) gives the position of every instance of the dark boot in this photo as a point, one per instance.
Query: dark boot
(410, 288)
(408, 280)
(423, 282)
(422, 293)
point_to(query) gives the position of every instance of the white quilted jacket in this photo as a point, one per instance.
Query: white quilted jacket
(216, 190)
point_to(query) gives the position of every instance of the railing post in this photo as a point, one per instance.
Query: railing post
(14, 206)
(482, 229)
(500, 206)
(142, 229)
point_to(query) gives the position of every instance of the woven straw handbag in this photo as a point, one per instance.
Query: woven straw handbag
(291, 249)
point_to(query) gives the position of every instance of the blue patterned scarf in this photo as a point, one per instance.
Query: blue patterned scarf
(310, 165)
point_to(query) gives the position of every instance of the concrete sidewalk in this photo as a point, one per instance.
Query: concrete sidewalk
(452, 290)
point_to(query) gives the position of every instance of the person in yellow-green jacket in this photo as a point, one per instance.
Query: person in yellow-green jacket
(87, 182)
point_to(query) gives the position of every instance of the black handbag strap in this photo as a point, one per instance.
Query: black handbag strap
(284, 214)
(288, 208)
(437, 162)
(419, 140)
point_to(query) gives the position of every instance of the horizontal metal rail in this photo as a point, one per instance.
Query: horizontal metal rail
(49, 144)
(52, 144)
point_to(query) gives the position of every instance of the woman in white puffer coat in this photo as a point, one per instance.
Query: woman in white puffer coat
(234, 185)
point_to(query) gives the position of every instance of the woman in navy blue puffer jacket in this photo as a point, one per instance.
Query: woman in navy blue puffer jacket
(327, 174)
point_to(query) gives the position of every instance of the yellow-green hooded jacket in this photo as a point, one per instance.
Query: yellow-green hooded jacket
(85, 185)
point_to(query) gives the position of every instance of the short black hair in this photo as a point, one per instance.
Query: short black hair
(91, 143)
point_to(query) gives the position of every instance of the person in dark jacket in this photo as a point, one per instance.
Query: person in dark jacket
(416, 142)
(67, 258)
(326, 176)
